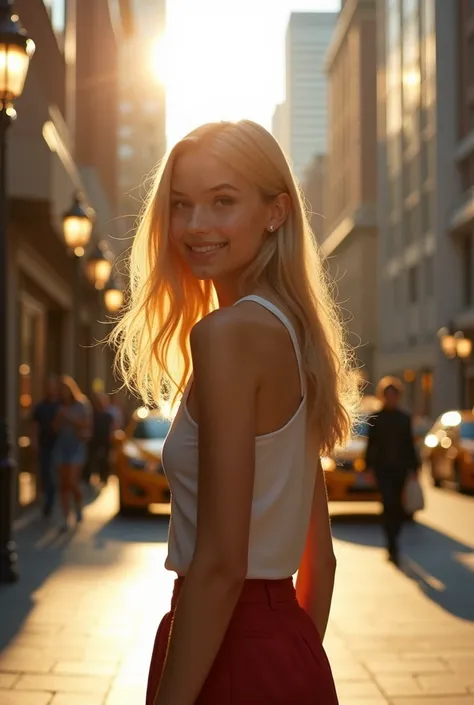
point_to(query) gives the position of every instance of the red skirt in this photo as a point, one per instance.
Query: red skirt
(271, 653)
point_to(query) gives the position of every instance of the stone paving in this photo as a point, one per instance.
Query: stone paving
(78, 628)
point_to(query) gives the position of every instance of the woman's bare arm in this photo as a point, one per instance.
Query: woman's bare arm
(226, 390)
(315, 580)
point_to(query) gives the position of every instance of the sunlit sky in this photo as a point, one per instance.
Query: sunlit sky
(225, 59)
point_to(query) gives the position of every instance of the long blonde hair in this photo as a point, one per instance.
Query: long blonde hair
(165, 301)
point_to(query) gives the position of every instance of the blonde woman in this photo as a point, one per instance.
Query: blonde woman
(230, 311)
(73, 425)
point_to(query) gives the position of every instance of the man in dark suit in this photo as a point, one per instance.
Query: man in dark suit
(392, 456)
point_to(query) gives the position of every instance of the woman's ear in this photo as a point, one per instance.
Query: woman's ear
(280, 210)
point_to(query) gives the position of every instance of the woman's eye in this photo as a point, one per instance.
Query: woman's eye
(224, 201)
(179, 205)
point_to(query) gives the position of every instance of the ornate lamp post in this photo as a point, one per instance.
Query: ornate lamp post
(113, 296)
(16, 50)
(99, 266)
(77, 229)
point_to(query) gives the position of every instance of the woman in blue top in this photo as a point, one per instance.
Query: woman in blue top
(73, 423)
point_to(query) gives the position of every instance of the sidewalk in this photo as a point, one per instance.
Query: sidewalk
(79, 626)
(389, 640)
(84, 637)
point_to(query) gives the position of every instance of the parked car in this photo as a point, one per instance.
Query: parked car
(139, 469)
(347, 478)
(449, 450)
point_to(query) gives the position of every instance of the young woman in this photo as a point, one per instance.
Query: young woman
(230, 311)
(73, 425)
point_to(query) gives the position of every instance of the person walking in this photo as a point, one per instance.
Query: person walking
(43, 438)
(98, 450)
(73, 423)
(230, 311)
(392, 456)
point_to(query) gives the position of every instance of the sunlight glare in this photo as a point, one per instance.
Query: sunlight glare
(160, 59)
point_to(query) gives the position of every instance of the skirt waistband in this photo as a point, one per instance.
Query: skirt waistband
(254, 591)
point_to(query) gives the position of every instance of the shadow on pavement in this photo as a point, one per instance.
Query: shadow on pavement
(442, 566)
(41, 549)
(152, 528)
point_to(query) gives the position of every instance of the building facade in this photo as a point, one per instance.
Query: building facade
(281, 126)
(425, 260)
(315, 192)
(63, 141)
(349, 238)
(142, 113)
(307, 40)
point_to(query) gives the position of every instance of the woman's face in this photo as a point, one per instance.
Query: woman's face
(218, 220)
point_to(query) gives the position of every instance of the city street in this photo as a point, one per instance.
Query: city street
(78, 628)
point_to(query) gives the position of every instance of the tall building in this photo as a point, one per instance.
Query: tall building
(314, 186)
(307, 40)
(142, 114)
(63, 141)
(426, 215)
(350, 228)
(281, 127)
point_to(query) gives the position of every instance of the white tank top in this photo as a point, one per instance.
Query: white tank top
(283, 486)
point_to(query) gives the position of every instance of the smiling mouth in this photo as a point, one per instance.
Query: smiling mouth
(207, 248)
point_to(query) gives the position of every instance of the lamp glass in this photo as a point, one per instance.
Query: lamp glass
(77, 231)
(448, 345)
(113, 300)
(99, 271)
(463, 347)
(14, 62)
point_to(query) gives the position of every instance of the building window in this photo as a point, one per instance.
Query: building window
(125, 151)
(125, 131)
(467, 263)
(429, 276)
(413, 284)
(426, 225)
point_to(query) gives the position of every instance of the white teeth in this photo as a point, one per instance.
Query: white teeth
(208, 248)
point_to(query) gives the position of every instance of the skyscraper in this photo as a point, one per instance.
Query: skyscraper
(307, 41)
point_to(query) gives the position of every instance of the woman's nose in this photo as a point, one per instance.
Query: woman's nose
(199, 220)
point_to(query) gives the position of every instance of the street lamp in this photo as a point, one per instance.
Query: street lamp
(113, 296)
(77, 229)
(455, 344)
(99, 266)
(77, 226)
(16, 50)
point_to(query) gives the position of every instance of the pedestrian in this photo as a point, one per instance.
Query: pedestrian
(43, 438)
(73, 424)
(227, 279)
(392, 456)
(98, 450)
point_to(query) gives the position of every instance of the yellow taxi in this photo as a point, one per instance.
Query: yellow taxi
(449, 450)
(140, 473)
(347, 478)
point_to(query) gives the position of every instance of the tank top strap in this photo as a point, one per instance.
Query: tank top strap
(288, 325)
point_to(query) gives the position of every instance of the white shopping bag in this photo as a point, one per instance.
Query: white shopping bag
(413, 499)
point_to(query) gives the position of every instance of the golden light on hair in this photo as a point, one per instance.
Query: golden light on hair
(152, 336)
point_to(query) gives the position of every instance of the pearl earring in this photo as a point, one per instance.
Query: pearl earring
(271, 228)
